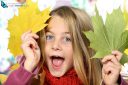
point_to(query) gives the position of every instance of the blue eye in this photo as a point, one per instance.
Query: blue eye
(67, 39)
(49, 37)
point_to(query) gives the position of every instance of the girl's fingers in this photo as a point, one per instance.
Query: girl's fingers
(110, 67)
(30, 43)
(35, 36)
(111, 58)
(32, 35)
(26, 36)
(117, 54)
(108, 70)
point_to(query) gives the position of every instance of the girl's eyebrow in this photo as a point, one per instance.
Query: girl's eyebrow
(53, 32)
(66, 33)
(48, 30)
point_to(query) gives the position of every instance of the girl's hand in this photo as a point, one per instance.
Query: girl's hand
(31, 50)
(111, 68)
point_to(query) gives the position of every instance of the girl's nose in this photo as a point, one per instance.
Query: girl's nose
(56, 45)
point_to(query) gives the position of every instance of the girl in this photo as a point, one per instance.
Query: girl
(63, 55)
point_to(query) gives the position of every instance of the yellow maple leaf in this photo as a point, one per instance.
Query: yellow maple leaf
(3, 78)
(29, 18)
(126, 51)
(15, 66)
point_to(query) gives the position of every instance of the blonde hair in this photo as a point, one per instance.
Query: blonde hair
(78, 21)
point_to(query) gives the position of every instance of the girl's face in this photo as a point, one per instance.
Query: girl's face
(58, 49)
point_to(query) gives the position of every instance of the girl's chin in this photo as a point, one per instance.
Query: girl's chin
(57, 73)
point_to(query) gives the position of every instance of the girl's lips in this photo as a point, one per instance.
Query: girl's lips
(57, 62)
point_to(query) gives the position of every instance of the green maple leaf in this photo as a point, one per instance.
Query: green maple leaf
(109, 36)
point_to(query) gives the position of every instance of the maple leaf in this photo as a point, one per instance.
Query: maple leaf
(3, 78)
(29, 18)
(109, 36)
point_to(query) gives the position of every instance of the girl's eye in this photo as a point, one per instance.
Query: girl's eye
(67, 39)
(49, 37)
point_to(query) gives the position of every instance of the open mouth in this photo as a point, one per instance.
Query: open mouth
(57, 61)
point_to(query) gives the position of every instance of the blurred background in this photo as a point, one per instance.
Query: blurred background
(8, 10)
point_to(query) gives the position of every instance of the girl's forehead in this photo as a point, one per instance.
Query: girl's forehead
(57, 23)
(56, 19)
